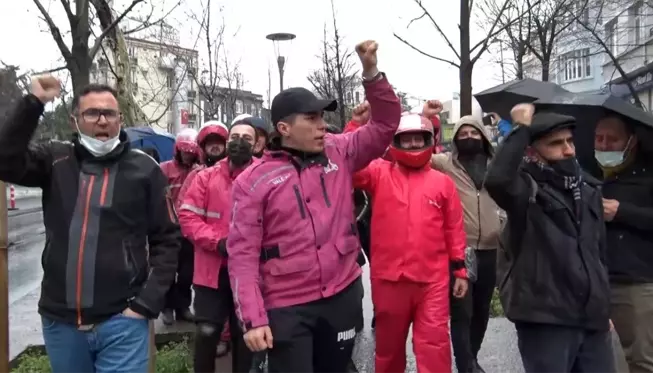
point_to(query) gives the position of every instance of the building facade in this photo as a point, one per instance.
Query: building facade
(228, 103)
(577, 57)
(628, 28)
(163, 79)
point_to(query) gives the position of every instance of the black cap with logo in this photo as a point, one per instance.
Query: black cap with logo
(298, 101)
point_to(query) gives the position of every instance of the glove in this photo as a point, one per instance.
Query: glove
(222, 248)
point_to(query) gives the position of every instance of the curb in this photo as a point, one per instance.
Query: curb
(19, 212)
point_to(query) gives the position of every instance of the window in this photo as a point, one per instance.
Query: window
(348, 99)
(611, 36)
(239, 107)
(636, 15)
(576, 65)
(581, 8)
(358, 97)
(253, 110)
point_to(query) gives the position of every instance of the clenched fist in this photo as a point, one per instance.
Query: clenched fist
(46, 88)
(522, 114)
(367, 54)
(361, 113)
(431, 108)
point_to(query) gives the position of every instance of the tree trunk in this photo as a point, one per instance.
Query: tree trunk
(546, 66)
(121, 67)
(466, 65)
(80, 66)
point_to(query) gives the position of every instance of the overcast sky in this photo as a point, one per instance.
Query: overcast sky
(25, 41)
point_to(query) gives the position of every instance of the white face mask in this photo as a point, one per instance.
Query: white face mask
(97, 147)
(611, 158)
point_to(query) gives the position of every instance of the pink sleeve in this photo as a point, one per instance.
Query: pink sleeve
(192, 214)
(371, 140)
(244, 248)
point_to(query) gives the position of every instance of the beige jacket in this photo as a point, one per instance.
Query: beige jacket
(481, 214)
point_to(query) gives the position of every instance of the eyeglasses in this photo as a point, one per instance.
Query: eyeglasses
(94, 115)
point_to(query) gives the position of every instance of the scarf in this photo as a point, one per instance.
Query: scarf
(567, 180)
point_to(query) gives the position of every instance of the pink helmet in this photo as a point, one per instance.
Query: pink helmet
(186, 141)
(414, 158)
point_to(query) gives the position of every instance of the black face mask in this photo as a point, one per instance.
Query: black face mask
(566, 167)
(239, 152)
(210, 160)
(469, 146)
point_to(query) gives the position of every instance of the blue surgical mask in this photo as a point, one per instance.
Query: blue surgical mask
(611, 158)
(97, 147)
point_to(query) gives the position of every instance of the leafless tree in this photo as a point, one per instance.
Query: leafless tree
(464, 59)
(337, 76)
(594, 27)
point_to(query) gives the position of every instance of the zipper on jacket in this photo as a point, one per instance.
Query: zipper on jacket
(478, 210)
(300, 202)
(324, 191)
(80, 250)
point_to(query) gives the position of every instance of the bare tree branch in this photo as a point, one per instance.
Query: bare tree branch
(54, 30)
(98, 41)
(424, 53)
(437, 27)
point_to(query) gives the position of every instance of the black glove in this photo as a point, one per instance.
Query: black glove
(222, 248)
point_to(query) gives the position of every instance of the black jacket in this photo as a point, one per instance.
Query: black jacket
(556, 273)
(630, 233)
(100, 216)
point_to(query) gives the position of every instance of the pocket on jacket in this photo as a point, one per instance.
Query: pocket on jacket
(348, 245)
(130, 264)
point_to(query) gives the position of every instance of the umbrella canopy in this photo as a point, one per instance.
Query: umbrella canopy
(588, 109)
(502, 98)
(147, 137)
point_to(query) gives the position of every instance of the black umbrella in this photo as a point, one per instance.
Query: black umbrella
(502, 98)
(588, 109)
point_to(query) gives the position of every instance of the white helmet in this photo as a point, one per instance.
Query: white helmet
(240, 117)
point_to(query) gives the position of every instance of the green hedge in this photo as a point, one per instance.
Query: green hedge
(495, 306)
(171, 358)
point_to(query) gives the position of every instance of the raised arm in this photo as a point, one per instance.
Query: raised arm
(20, 162)
(502, 181)
(371, 140)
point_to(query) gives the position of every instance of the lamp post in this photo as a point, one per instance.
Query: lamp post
(278, 40)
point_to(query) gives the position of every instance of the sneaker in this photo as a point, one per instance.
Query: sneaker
(168, 317)
(185, 315)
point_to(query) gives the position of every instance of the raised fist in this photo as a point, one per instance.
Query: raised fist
(46, 88)
(361, 113)
(431, 108)
(522, 114)
(367, 54)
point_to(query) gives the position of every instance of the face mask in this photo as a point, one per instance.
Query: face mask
(469, 146)
(611, 158)
(97, 147)
(566, 167)
(239, 152)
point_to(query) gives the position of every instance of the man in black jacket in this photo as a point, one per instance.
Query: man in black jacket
(112, 236)
(556, 288)
(628, 212)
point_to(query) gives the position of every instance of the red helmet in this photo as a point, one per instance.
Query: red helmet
(212, 127)
(413, 158)
(185, 141)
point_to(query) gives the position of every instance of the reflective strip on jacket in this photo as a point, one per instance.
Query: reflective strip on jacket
(417, 223)
(176, 174)
(293, 238)
(204, 215)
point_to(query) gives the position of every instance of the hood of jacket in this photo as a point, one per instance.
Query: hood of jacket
(469, 120)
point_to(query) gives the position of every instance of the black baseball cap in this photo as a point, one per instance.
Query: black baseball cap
(298, 101)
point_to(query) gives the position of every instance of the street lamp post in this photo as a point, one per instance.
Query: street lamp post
(503, 70)
(278, 40)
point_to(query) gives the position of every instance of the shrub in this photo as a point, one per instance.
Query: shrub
(496, 310)
(174, 357)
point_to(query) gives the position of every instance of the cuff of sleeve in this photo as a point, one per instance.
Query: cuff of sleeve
(458, 268)
(623, 213)
(460, 273)
(222, 248)
(257, 322)
(142, 310)
(379, 77)
(34, 101)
